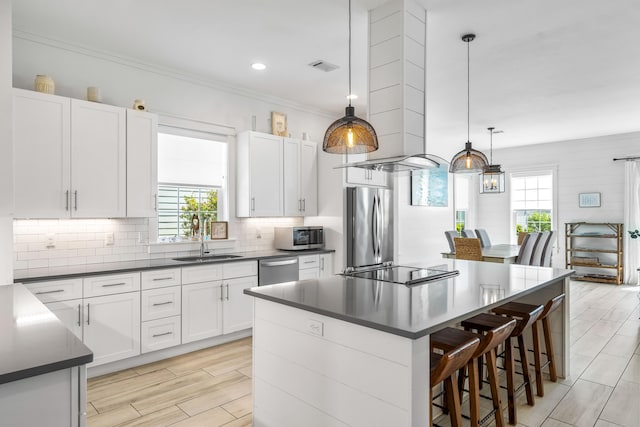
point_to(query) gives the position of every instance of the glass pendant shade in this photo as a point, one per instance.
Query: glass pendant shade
(468, 161)
(492, 180)
(350, 135)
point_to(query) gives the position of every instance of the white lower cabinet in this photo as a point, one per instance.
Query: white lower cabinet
(160, 333)
(70, 314)
(238, 307)
(308, 267)
(112, 326)
(201, 310)
(325, 268)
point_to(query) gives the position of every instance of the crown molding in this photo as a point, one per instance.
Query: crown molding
(165, 71)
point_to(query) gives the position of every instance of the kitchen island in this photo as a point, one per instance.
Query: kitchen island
(42, 365)
(350, 351)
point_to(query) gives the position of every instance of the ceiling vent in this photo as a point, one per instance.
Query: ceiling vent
(323, 65)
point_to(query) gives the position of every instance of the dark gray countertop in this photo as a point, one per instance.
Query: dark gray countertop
(33, 341)
(418, 310)
(52, 273)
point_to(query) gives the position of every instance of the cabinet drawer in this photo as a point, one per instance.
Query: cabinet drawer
(159, 334)
(205, 273)
(112, 284)
(160, 278)
(309, 273)
(309, 261)
(56, 290)
(162, 302)
(240, 269)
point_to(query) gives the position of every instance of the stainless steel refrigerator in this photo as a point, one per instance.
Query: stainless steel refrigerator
(369, 226)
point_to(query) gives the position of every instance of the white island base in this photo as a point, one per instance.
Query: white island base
(313, 370)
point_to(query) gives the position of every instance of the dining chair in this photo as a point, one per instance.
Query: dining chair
(468, 248)
(521, 236)
(450, 235)
(468, 233)
(483, 236)
(527, 248)
(548, 250)
(538, 252)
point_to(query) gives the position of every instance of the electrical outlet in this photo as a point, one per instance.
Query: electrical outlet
(316, 327)
(109, 238)
(51, 241)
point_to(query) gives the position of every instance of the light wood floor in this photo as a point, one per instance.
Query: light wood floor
(212, 387)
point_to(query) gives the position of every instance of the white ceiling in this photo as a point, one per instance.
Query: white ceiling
(541, 70)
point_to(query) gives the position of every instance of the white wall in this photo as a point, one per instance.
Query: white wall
(583, 166)
(6, 157)
(165, 91)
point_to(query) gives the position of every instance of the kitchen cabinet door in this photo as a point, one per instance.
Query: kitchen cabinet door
(292, 198)
(201, 310)
(326, 265)
(142, 164)
(112, 326)
(238, 307)
(309, 178)
(300, 178)
(41, 153)
(259, 175)
(98, 160)
(69, 313)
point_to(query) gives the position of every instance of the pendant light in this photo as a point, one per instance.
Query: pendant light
(493, 176)
(350, 134)
(468, 160)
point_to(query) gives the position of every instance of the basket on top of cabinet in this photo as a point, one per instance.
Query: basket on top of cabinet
(595, 251)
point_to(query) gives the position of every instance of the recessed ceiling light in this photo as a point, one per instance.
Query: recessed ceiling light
(352, 96)
(258, 66)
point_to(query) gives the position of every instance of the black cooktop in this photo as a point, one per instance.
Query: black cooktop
(406, 275)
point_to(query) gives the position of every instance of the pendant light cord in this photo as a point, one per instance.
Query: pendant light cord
(349, 95)
(490, 146)
(468, 92)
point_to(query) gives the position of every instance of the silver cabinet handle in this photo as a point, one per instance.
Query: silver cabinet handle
(162, 334)
(322, 264)
(66, 206)
(308, 262)
(79, 314)
(304, 205)
(88, 313)
(162, 303)
(227, 292)
(75, 206)
(299, 205)
(50, 292)
(108, 285)
(221, 293)
(253, 203)
(155, 202)
(157, 279)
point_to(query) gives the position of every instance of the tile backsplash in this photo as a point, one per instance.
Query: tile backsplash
(54, 243)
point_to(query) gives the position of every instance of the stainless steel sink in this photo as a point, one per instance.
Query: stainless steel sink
(206, 258)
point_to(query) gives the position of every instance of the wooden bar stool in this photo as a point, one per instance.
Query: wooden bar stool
(549, 307)
(525, 316)
(450, 338)
(443, 368)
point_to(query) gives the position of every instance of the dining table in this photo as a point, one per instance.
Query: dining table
(501, 253)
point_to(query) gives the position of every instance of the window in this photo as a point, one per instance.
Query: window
(192, 181)
(532, 202)
(461, 201)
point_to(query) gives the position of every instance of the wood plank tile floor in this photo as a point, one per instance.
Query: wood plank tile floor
(212, 387)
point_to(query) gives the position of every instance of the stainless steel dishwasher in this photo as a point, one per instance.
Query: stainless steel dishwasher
(277, 270)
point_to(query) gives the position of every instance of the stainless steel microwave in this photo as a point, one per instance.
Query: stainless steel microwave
(299, 238)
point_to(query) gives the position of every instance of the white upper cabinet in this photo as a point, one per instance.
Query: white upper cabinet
(98, 160)
(70, 158)
(42, 154)
(359, 176)
(142, 164)
(300, 178)
(259, 175)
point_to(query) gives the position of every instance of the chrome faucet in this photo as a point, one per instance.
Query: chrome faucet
(203, 230)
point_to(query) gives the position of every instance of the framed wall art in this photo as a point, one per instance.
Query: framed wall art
(589, 200)
(278, 123)
(430, 187)
(219, 230)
